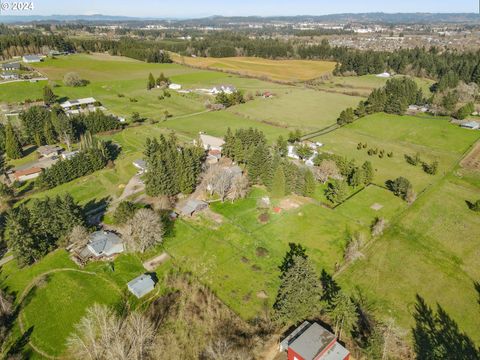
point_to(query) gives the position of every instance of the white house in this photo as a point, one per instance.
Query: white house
(211, 142)
(175, 87)
(292, 153)
(141, 285)
(384, 75)
(67, 105)
(32, 59)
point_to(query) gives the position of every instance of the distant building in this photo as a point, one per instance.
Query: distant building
(105, 244)
(27, 174)
(48, 151)
(310, 341)
(69, 155)
(32, 59)
(211, 142)
(68, 105)
(384, 75)
(140, 165)
(11, 66)
(227, 89)
(473, 125)
(193, 206)
(8, 75)
(141, 286)
(175, 87)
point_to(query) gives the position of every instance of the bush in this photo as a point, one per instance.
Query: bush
(125, 211)
(401, 187)
(73, 79)
(430, 168)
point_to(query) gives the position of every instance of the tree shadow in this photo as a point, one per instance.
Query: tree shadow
(18, 346)
(476, 285)
(437, 336)
(330, 287)
(95, 210)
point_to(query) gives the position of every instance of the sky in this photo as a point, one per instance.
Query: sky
(201, 8)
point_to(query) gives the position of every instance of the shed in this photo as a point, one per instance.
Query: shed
(193, 206)
(27, 174)
(471, 125)
(8, 75)
(69, 155)
(105, 244)
(78, 102)
(141, 286)
(174, 86)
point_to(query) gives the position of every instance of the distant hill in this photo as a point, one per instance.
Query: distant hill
(387, 18)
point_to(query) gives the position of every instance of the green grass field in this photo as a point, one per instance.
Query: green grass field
(306, 109)
(431, 251)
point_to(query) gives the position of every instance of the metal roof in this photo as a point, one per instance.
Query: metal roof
(105, 243)
(191, 206)
(312, 341)
(141, 285)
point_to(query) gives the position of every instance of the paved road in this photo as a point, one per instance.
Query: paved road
(5, 260)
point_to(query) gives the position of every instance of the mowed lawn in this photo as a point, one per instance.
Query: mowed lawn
(60, 299)
(282, 70)
(239, 257)
(306, 109)
(435, 139)
(433, 251)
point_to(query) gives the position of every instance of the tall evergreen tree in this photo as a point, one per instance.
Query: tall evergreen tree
(151, 82)
(368, 172)
(13, 148)
(48, 95)
(343, 313)
(278, 182)
(299, 294)
(309, 184)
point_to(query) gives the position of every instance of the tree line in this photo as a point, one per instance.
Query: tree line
(172, 169)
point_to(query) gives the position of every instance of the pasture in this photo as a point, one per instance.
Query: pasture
(431, 251)
(279, 70)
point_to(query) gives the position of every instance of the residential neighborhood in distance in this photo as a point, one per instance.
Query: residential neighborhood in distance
(223, 181)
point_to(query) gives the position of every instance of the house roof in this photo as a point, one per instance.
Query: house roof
(191, 206)
(336, 352)
(32, 58)
(29, 171)
(471, 124)
(78, 102)
(48, 149)
(139, 163)
(11, 66)
(141, 285)
(211, 141)
(312, 341)
(105, 243)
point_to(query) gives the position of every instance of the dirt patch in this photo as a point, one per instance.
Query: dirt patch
(472, 160)
(261, 252)
(289, 204)
(244, 260)
(264, 218)
(376, 207)
(152, 264)
(247, 297)
(217, 218)
(262, 295)
(256, 268)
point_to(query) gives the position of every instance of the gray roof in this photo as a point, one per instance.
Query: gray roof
(141, 164)
(32, 58)
(312, 341)
(105, 243)
(471, 124)
(49, 149)
(141, 285)
(11, 66)
(191, 206)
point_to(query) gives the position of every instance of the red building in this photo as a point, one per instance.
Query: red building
(310, 341)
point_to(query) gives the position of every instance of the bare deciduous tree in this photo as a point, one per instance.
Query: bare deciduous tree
(378, 227)
(239, 188)
(222, 349)
(78, 238)
(225, 182)
(102, 335)
(354, 246)
(327, 170)
(143, 231)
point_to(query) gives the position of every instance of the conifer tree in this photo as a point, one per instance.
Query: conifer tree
(48, 95)
(13, 148)
(309, 184)
(49, 132)
(367, 172)
(151, 82)
(278, 182)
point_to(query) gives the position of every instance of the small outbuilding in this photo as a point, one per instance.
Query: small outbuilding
(27, 174)
(141, 286)
(141, 165)
(8, 75)
(175, 87)
(105, 244)
(473, 125)
(384, 75)
(32, 59)
(192, 206)
(11, 66)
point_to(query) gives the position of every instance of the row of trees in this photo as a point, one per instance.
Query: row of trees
(162, 80)
(94, 155)
(172, 169)
(34, 230)
(393, 98)
(228, 100)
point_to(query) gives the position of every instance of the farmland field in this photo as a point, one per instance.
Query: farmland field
(282, 70)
